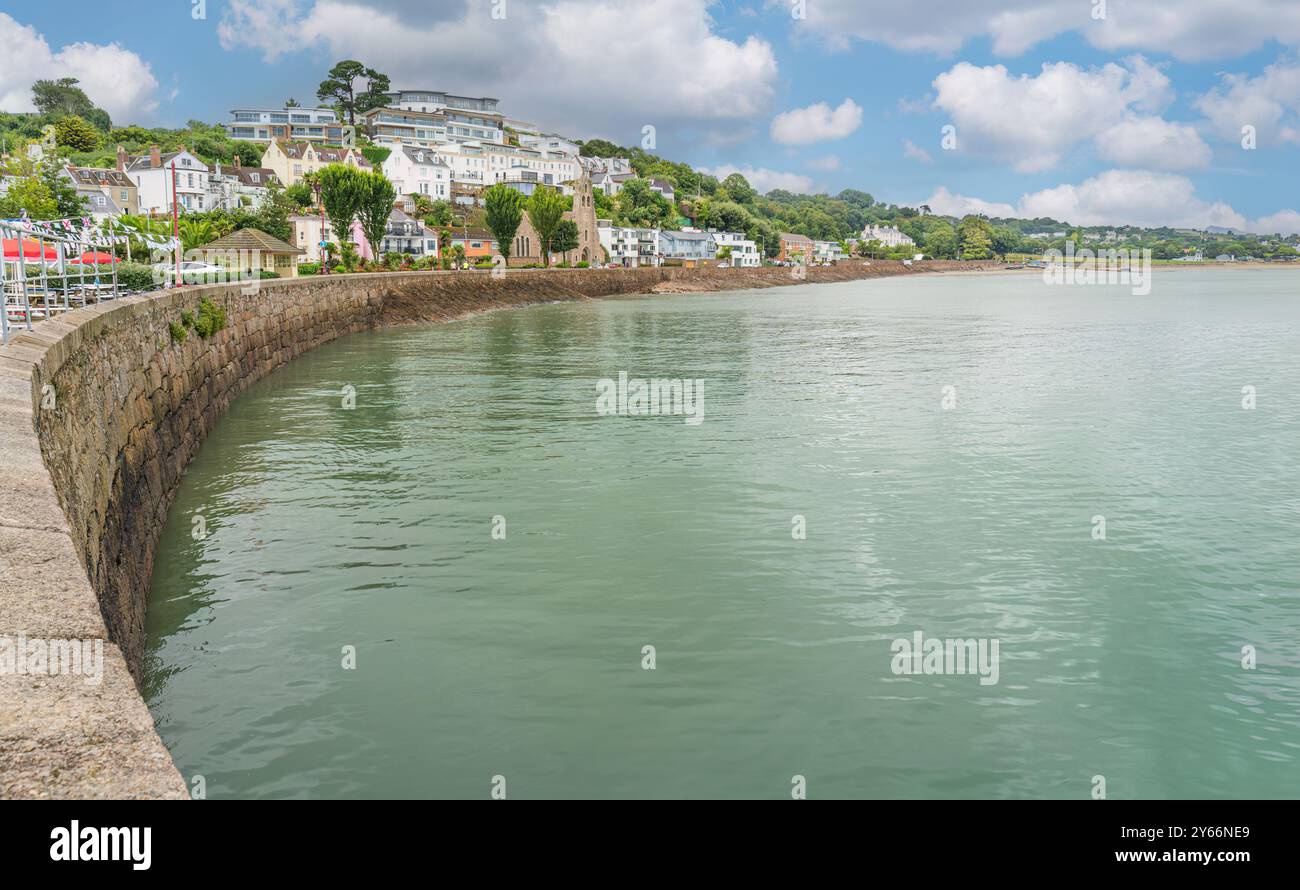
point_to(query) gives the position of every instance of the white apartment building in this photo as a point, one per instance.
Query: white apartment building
(744, 253)
(293, 124)
(550, 142)
(418, 171)
(629, 247)
(153, 176)
(485, 164)
(622, 242)
(437, 100)
(890, 236)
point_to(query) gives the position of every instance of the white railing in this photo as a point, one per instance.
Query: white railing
(53, 279)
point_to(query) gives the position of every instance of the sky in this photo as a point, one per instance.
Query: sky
(1096, 112)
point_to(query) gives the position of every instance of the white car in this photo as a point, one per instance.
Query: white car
(192, 271)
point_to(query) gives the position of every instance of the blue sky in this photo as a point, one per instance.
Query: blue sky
(1136, 117)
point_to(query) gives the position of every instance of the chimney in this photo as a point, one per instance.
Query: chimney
(236, 161)
(121, 159)
(155, 156)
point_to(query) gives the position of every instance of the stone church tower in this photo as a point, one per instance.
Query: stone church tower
(526, 248)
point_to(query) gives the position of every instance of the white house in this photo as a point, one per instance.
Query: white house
(827, 251)
(235, 186)
(663, 187)
(153, 176)
(890, 236)
(418, 171)
(308, 231)
(744, 253)
(406, 234)
(622, 242)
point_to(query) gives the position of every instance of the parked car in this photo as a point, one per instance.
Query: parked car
(192, 272)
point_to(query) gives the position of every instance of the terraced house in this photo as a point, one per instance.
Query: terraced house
(291, 161)
(418, 171)
(106, 192)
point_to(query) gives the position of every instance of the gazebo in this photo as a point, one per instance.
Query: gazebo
(254, 250)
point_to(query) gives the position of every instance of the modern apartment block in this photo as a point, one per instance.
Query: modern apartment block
(293, 124)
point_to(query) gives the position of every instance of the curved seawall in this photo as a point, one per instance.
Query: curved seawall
(100, 413)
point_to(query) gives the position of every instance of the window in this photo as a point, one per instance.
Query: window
(126, 196)
(101, 200)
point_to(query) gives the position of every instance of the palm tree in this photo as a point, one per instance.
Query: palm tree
(196, 233)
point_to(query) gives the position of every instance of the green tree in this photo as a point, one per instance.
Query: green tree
(565, 237)
(196, 232)
(423, 204)
(976, 238)
(376, 207)
(600, 148)
(301, 195)
(439, 215)
(28, 194)
(67, 202)
(1005, 240)
(739, 189)
(73, 133)
(63, 97)
(343, 190)
(545, 211)
(505, 210)
(349, 98)
(940, 242)
(640, 206)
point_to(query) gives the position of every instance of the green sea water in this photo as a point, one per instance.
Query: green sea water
(946, 444)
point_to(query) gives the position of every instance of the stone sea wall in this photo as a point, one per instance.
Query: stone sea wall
(101, 412)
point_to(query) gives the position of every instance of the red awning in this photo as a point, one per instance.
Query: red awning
(96, 257)
(31, 250)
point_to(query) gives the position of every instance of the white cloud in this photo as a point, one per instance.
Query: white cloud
(552, 61)
(116, 79)
(1119, 197)
(947, 203)
(1270, 103)
(259, 25)
(1153, 142)
(1186, 29)
(1286, 222)
(916, 152)
(1033, 122)
(765, 180)
(828, 164)
(816, 123)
